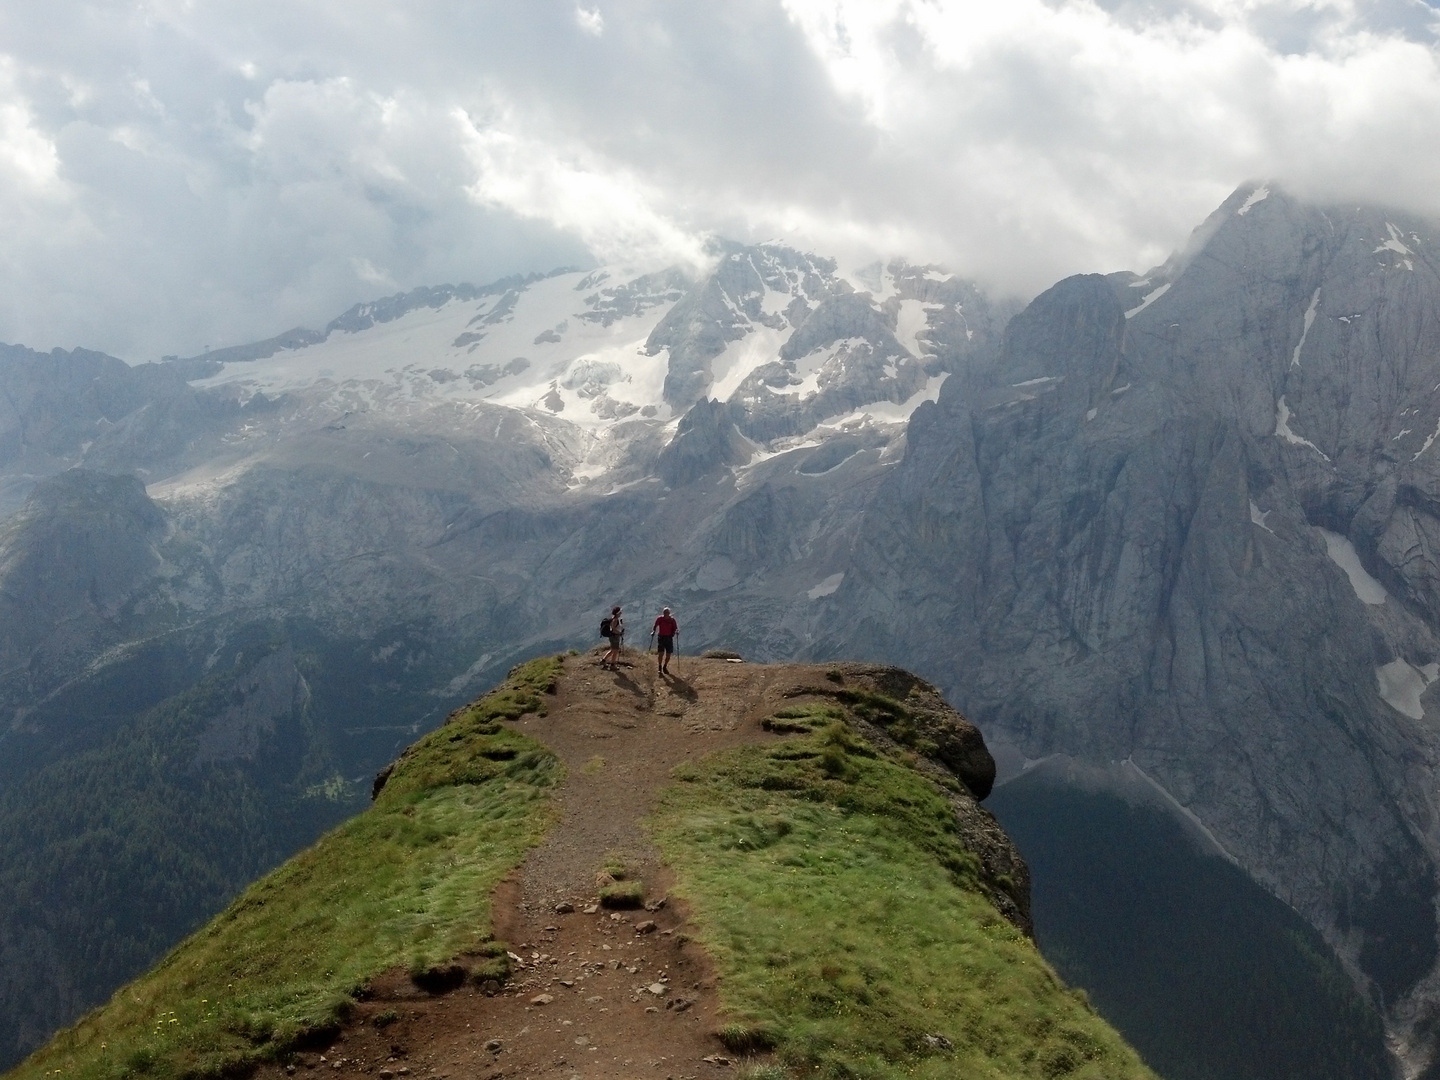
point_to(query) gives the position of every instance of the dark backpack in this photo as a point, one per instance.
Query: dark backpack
(605, 626)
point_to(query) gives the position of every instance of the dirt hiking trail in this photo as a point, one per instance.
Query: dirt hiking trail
(598, 994)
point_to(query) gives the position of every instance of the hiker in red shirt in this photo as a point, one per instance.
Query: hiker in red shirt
(666, 629)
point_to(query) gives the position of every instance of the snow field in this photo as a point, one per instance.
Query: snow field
(1343, 554)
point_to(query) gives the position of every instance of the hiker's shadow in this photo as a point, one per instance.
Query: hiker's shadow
(629, 684)
(680, 688)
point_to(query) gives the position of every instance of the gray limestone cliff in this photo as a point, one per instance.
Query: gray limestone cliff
(1185, 523)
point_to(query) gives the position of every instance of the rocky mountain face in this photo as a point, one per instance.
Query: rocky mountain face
(1180, 524)
(60, 409)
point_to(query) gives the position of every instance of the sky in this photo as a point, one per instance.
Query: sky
(182, 174)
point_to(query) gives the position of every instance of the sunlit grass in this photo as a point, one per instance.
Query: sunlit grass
(831, 889)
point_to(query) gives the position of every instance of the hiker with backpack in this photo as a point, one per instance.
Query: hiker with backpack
(612, 627)
(666, 629)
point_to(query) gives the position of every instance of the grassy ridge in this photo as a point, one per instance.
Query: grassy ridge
(841, 911)
(408, 882)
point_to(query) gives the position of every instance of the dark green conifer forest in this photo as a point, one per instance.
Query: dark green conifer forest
(1205, 973)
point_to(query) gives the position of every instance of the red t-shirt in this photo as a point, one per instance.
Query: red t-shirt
(666, 626)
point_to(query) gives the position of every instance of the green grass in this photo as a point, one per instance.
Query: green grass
(614, 865)
(407, 883)
(840, 909)
(889, 714)
(801, 718)
(622, 894)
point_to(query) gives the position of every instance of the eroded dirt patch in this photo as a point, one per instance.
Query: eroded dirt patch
(619, 994)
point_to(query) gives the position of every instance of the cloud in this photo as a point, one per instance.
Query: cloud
(26, 156)
(1078, 127)
(175, 175)
(590, 21)
(29, 160)
(618, 215)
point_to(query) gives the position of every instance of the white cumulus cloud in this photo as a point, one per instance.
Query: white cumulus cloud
(27, 155)
(619, 215)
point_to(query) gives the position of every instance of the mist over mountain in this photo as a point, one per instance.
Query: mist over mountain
(1175, 525)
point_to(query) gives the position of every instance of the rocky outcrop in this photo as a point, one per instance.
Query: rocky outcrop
(730, 303)
(896, 709)
(705, 441)
(841, 358)
(60, 410)
(896, 696)
(52, 402)
(269, 693)
(77, 567)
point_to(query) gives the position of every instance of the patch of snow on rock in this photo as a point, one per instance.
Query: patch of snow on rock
(874, 279)
(1282, 429)
(1259, 195)
(887, 412)
(1429, 441)
(1343, 554)
(828, 587)
(775, 302)
(1149, 299)
(1401, 685)
(809, 366)
(1394, 244)
(1258, 516)
(742, 356)
(1305, 330)
(912, 319)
